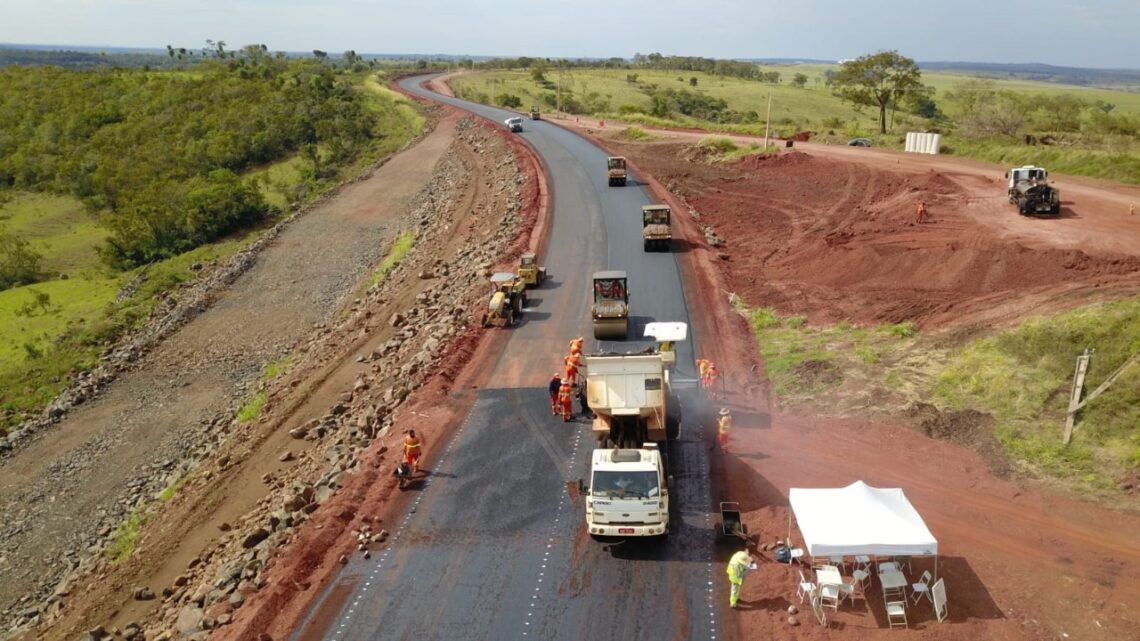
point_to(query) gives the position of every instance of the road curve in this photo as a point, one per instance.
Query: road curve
(492, 546)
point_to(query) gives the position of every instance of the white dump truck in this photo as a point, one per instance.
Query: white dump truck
(628, 493)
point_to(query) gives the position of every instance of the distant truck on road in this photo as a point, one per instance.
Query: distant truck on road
(655, 230)
(1030, 190)
(615, 170)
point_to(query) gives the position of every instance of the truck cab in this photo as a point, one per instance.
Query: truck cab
(1028, 173)
(628, 494)
(514, 124)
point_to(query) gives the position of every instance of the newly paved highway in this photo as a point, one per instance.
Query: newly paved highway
(493, 546)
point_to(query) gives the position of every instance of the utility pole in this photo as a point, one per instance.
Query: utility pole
(559, 100)
(768, 121)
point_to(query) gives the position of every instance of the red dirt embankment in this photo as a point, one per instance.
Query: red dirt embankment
(833, 240)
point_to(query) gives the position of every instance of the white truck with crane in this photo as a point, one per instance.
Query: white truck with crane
(635, 414)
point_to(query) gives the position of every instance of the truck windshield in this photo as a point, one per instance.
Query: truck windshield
(625, 485)
(616, 163)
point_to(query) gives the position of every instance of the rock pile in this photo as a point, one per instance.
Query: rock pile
(217, 582)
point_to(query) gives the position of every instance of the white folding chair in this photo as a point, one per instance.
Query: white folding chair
(806, 588)
(829, 596)
(860, 577)
(896, 613)
(838, 562)
(852, 590)
(862, 562)
(922, 588)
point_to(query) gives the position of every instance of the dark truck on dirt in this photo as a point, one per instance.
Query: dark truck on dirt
(1030, 190)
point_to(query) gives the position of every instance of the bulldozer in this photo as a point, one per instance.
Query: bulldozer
(529, 270)
(655, 231)
(508, 298)
(610, 310)
(615, 166)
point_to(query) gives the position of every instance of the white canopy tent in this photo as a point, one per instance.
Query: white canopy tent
(860, 519)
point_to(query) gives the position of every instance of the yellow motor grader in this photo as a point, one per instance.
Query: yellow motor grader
(508, 298)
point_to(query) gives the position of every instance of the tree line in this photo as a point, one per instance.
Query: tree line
(158, 155)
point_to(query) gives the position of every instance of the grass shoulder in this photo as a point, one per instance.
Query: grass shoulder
(1020, 378)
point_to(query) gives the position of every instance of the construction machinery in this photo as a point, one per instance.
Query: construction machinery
(628, 493)
(1030, 190)
(655, 230)
(530, 271)
(632, 399)
(534, 115)
(666, 336)
(610, 310)
(508, 298)
(615, 166)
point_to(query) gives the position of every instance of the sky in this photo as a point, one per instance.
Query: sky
(1100, 33)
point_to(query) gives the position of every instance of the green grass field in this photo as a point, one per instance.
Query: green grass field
(1021, 377)
(58, 228)
(815, 108)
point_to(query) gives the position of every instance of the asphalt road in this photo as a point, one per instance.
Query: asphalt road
(492, 545)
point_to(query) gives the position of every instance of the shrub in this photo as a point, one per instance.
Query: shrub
(509, 101)
(719, 143)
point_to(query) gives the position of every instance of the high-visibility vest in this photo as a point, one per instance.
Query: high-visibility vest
(411, 443)
(737, 566)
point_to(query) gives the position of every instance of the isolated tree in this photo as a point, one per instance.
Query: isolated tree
(799, 80)
(19, 263)
(320, 55)
(878, 79)
(693, 81)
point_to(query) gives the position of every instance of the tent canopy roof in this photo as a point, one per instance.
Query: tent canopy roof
(860, 519)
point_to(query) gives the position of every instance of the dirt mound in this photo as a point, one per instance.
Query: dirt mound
(969, 428)
(758, 161)
(813, 373)
(837, 240)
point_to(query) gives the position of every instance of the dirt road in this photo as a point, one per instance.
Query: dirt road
(78, 480)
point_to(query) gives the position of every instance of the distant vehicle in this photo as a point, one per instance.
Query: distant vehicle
(514, 124)
(615, 169)
(534, 115)
(859, 142)
(1030, 190)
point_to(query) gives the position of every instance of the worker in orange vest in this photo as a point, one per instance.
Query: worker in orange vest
(920, 213)
(566, 400)
(573, 362)
(412, 450)
(576, 345)
(712, 376)
(702, 370)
